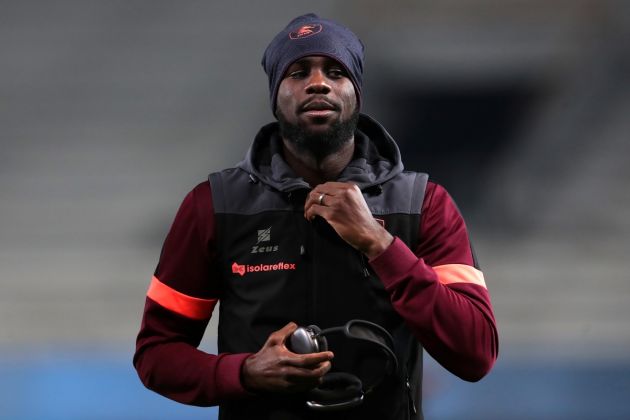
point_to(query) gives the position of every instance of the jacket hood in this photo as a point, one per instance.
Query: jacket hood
(376, 158)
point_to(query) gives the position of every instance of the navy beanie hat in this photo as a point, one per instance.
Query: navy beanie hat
(311, 35)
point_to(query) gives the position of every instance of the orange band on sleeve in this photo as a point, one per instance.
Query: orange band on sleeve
(459, 273)
(188, 306)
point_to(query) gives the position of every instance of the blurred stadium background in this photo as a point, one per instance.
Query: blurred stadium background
(111, 111)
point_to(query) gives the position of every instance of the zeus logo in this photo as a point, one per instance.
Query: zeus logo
(262, 249)
(264, 235)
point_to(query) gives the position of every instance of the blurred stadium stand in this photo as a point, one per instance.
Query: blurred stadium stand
(111, 111)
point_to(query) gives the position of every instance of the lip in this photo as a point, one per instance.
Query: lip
(319, 113)
(317, 107)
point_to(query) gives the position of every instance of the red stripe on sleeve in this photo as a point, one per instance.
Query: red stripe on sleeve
(188, 306)
(459, 273)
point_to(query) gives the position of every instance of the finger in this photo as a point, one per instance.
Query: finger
(296, 373)
(298, 379)
(309, 360)
(317, 210)
(332, 186)
(316, 198)
(329, 189)
(338, 190)
(312, 370)
(317, 370)
(279, 337)
(320, 369)
(326, 201)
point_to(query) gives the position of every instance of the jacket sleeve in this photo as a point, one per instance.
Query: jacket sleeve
(440, 291)
(179, 302)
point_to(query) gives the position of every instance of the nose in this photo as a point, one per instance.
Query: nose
(317, 82)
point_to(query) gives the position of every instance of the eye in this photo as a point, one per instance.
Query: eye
(336, 73)
(296, 74)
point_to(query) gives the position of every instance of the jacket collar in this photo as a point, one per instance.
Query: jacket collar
(376, 158)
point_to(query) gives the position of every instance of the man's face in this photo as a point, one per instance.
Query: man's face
(317, 105)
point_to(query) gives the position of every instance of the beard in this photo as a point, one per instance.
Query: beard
(319, 144)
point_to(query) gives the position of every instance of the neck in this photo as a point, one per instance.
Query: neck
(317, 170)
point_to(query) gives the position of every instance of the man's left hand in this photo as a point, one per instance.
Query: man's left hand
(342, 205)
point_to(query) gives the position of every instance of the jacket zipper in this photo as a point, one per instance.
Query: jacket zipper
(313, 272)
(306, 251)
(364, 264)
(412, 404)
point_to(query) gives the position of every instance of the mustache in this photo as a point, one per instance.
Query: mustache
(316, 104)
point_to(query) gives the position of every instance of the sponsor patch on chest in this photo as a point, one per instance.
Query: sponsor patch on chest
(242, 269)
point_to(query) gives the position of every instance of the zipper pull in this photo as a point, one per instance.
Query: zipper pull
(412, 404)
(364, 264)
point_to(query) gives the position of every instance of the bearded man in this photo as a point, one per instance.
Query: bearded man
(319, 224)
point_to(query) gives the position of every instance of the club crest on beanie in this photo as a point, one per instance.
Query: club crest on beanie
(311, 35)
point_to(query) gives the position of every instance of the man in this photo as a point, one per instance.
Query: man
(318, 225)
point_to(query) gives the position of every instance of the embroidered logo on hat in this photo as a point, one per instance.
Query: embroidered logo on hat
(306, 30)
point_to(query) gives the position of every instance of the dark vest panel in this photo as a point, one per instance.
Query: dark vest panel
(276, 267)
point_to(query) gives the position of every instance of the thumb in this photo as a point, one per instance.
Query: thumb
(280, 336)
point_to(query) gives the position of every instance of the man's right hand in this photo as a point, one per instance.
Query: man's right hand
(276, 369)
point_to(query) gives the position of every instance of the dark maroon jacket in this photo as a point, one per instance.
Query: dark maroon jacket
(432, 280)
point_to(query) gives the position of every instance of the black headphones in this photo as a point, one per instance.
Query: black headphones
(340, 390)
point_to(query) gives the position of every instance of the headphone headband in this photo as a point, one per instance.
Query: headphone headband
(342, 390)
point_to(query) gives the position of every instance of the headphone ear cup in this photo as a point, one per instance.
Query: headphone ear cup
(322, 343)
(338, 390)
(305, 340)
(319, 341)
(315, 329)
